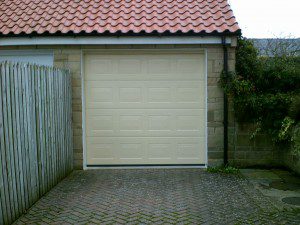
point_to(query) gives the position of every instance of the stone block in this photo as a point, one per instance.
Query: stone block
(77, 107)
(210, 130)
(215, 124)
(77, 117)
(245, 128)
(215, 141)
(76, 82)
(217, 55)
(78, 164)
(74, 57)
(77, 126)
(59, 64)
(215, 162)
(231, 139)
(218, 115)
(60, 57)
(73, 66)
(76, 92)
(214, 49)
(218, 66)
(239, 155)
(263, 141)
(215, 92)
(212, 81)
(214, 74)
(244, 140)
(215, 155)
(210, 66)
(211, 116)
(77, 132)
(215, 106)
(77, 142)
(231, 65)
(76, 75)
(78, 156)
(219, 130)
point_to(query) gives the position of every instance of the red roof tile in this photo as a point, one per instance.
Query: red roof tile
(112, 16)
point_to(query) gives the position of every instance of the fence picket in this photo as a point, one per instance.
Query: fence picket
(8, 141)
(4, 194)
(18, 104)
(14, 144)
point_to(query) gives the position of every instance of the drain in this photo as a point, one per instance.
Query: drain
(292, 200)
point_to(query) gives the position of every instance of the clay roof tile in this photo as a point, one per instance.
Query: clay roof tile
(74, 16)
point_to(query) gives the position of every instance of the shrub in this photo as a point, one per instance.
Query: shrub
(265, 91)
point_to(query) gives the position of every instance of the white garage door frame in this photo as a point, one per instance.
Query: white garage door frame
(104, 51)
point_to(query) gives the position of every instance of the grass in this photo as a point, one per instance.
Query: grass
(223, 169)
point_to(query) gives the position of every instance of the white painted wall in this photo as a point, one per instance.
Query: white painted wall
(38, 57)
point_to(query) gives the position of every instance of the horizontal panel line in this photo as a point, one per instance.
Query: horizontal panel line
(145, 136)
(201, 81)
(146, 165)
(149, 108)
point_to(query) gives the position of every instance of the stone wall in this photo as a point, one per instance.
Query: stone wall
(245, 151)
(70, 57)
(215, 100)
(291, 160)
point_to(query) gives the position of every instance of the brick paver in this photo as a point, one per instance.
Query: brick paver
(156, 196)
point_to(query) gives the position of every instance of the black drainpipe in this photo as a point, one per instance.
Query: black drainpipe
(225, 68)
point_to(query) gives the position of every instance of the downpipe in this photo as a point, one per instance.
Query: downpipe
(225, 122)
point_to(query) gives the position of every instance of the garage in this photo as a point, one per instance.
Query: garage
(145, 107)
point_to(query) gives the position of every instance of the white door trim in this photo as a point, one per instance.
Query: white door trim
(181, 50)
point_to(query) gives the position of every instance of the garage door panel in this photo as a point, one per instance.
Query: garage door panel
(148, 106)
(153, 77)
(145, 150)
(145, 109)
(145, 95)
(160, 67)
(150, 122)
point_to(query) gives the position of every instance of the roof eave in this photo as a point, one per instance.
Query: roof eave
(120, 34)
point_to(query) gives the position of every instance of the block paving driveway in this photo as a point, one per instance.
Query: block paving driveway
(156, 196)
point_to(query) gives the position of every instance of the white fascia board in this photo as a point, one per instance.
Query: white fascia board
(14, 41)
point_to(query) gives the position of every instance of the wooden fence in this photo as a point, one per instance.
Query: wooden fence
(35, 134)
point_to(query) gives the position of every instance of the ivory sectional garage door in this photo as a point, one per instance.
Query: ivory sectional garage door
(145, 108)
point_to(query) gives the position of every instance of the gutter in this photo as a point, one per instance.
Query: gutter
(113, 40)
(225, 69)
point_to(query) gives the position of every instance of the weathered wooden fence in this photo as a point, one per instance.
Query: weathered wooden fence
(35, 134)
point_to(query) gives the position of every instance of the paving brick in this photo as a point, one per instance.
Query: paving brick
(149, 196)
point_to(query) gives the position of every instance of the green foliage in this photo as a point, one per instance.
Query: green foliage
(223, 169)
(287, 125)
(265, 91)
(294, 111)
(295, 138)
